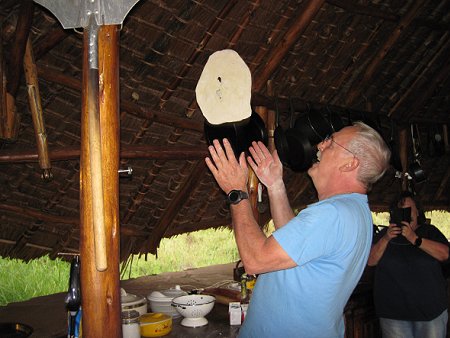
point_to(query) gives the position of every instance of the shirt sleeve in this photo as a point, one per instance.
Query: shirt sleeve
(436, 235)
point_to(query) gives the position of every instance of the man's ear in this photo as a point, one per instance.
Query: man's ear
(352, 164)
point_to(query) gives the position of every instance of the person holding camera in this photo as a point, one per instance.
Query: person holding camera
(410, 291)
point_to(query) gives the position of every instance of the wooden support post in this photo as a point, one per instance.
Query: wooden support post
(100, 289)
(253, 192)
(403, 152)
(252, 178)
(445, 136)
(270, 120)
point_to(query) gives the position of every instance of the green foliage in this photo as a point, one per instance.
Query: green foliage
(193, 250)
(21, 281)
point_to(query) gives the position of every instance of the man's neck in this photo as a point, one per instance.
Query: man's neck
(341, 191)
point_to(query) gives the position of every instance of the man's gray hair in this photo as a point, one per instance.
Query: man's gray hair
(372, 152)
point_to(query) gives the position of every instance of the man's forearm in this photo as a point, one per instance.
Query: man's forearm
(280, 207)
(377, 251)
(435, 249)
(249, 237)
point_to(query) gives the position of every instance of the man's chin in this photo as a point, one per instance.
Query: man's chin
(312, 169)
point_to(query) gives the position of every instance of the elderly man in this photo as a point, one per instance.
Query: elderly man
(310, 265)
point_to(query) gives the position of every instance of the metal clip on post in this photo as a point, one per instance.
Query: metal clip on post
(128, 171)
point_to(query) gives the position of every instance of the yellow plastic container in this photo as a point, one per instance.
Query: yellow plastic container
(155, 324)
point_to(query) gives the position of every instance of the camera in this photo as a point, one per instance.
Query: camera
(399, 215)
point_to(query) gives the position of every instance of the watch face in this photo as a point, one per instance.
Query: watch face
(233, 196)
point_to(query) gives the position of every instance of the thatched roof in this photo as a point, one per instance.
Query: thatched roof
(383, 60)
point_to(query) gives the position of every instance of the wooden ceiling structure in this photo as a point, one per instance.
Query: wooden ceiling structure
(378, 60)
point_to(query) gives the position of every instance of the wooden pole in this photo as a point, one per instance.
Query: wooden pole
(252, 178)
(403, 152)
(34, 99)
(100, 289)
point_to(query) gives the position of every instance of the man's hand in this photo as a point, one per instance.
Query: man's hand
(228, 172)
(266, 166)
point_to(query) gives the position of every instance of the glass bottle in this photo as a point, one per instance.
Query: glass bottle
(244, 291)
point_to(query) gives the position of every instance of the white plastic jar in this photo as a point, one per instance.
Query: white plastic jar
(130, 324)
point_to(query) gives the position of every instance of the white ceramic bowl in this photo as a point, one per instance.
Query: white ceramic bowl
(161, 301)
(133, 302)
(194, 308)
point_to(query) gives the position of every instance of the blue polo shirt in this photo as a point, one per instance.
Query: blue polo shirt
(330, 241)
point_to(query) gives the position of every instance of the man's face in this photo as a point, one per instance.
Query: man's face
(332, 156)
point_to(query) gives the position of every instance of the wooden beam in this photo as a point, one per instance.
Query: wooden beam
(49, 74)
(163, 118)
(152, 243)
(39, 215)
(22, 240)
(427, 90)
(49, 41)
(366, 9)
(377, 12)
(190, 110)
(130, 107)
(36, 246)
(442, 186)
(299, 24)
(216, 23)
(204, 224)
(166, 152)
(357, 86)
(18, 48)
(429, 83)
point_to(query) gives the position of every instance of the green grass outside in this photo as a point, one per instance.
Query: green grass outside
(20, 281)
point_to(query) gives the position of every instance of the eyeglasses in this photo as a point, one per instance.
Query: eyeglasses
(330, 138)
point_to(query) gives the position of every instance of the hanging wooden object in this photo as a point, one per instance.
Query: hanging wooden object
(9, 120)
(34, 99)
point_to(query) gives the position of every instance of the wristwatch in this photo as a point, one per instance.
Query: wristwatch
(418, 242)
(235, 196)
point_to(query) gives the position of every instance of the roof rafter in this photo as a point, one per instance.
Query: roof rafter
(357, 86)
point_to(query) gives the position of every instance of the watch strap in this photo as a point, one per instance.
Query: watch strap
(235, 196)
(418, 242)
